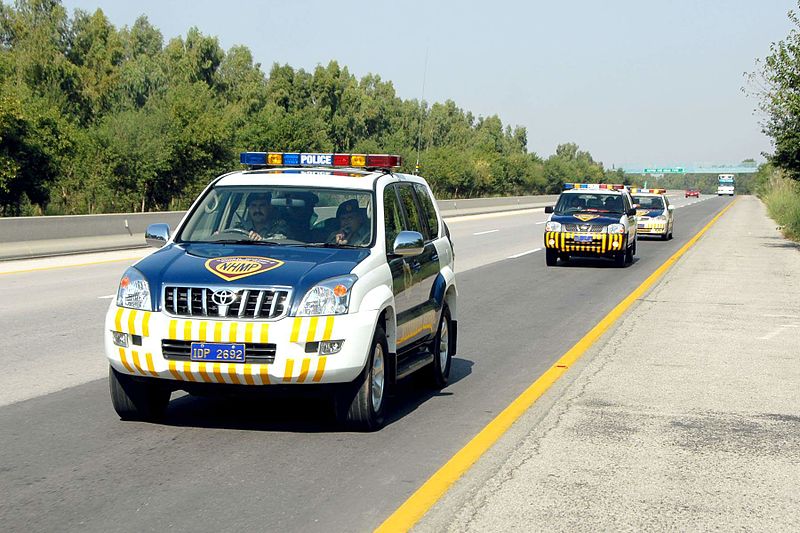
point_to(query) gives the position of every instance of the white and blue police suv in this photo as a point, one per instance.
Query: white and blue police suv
(329, 272)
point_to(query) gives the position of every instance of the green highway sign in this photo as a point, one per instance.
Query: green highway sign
(666, 170)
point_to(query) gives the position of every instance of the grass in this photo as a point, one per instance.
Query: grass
(782, 197)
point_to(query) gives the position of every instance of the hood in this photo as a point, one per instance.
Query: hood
(588, 218)
(205, 264)
(649, 212)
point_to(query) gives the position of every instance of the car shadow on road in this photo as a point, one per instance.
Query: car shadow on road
(295, 413)
(590, 262)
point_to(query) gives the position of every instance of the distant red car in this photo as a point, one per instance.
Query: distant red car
(692, 192)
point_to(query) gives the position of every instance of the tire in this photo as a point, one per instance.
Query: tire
(629, 251)
(619, 259)
(355, 403)
(551, 257)
(564, 257)
(133, 399)
(665, 237)
(439, 372)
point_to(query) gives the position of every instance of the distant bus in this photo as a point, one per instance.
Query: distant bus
(726, 184)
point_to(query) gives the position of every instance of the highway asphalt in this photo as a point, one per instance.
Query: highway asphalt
(68, 463)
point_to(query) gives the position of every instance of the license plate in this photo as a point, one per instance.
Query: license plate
(583, 238)
(208, 351)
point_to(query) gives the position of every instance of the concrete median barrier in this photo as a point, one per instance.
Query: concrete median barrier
(28, 237)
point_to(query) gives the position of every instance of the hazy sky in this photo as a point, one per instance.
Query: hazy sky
(635, 82)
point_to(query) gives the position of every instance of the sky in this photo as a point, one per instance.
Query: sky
(636, 83)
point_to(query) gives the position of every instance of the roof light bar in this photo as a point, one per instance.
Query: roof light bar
(637, 190)
(295, 159)
(612, 186)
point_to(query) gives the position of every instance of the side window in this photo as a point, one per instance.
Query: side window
(627, 200)
(429, 210)
(413, 219)
(392, 218)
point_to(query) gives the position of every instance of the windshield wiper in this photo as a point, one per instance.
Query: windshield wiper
(330, 245)
(246, 241)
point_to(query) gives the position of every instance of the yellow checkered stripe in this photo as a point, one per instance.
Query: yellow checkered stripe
(564, 241)
(652, 228)
(308, 370)
(302, 370)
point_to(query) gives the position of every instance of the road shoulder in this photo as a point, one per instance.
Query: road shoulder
(684, 416)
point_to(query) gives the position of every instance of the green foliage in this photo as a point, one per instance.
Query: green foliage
(782, 198)
(99, 119)
(777, 83)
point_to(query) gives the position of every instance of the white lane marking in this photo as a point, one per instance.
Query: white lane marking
(485, 232)
(498, 214)
(106, 297)
(524, 253)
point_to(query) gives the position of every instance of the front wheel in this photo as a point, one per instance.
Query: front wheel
(439, 371)
(361, 405)
(137, 399)
(550, 257)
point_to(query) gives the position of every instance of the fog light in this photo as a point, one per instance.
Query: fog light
(615, 244)
(119, 338)
(551, 242)
(330, 347)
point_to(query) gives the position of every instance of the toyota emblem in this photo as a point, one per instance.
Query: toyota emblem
(223, 297)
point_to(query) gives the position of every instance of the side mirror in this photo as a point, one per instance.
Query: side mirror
(408, 243)
(631, 212)
(548, 209)
(157, 235)
(671, 208)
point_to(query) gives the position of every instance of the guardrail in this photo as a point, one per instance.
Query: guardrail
(28, 237)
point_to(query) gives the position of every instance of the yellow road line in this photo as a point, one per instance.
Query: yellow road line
(415, 507)
(55, 267)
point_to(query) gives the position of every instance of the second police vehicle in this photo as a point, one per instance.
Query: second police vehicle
(591, 220)
(654, 213)
(329, 272)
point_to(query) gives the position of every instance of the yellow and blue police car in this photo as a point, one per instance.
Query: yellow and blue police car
(654, 213)
(591, 220)
(326, 271)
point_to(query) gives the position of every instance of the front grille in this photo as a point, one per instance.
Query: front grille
(269, 303)
(257, 353)
(584, 228)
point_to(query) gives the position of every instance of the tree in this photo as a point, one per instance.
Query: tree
(777, 83)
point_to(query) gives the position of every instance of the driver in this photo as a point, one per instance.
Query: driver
(353, 227)
(260, 225)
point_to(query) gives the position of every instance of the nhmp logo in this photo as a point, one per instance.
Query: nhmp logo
(586, 218)
(233, 268)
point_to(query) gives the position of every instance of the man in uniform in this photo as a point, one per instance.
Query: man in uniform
(260, 224)
(353, 227)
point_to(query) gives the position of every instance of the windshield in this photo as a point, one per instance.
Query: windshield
(589, 203)
(649, 202)
(300, 216)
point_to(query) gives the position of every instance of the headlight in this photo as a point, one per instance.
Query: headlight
(331, 297)
(552, 226)
(134, 291)
(660, 218)
(615, 228)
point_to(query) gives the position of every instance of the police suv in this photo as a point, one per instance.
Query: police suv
(654, 213)
(323, 271)
(591, 220)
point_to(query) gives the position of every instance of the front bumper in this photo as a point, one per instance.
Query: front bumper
(651, 228)
(600, 243)
(290, 336)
